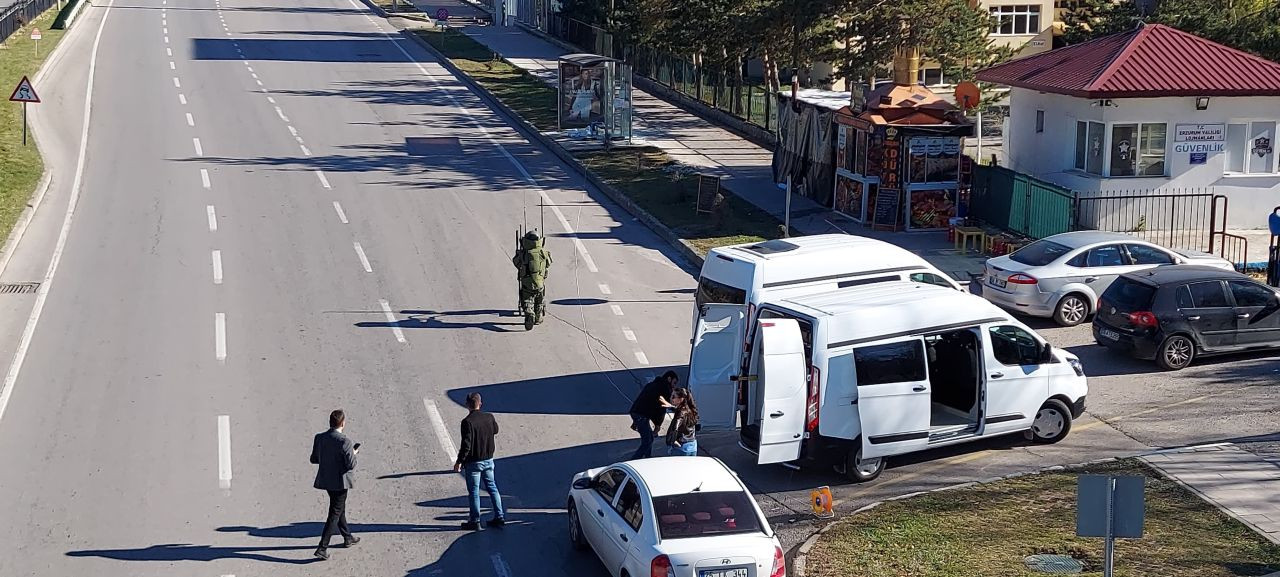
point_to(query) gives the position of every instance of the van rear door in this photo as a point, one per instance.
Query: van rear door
(782, 384)
(714, 358)
(893, 397)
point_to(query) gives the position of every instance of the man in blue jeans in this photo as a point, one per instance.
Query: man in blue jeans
(475, 461)
(649, 409)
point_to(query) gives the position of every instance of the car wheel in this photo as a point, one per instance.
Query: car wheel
(861, 470)
(1052, 423)
(575, 529)
(1071, 310)
(1175, 353)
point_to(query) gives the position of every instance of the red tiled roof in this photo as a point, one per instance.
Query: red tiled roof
(1151, 61)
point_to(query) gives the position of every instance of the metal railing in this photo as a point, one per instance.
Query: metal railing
(17, 15)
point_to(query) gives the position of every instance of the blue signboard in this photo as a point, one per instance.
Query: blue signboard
(1199, 157)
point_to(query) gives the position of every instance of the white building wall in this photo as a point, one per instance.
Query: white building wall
(1050, 154)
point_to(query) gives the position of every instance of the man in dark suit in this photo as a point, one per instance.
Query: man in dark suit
(336, 455)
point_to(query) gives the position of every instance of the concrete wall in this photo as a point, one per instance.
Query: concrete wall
(1051, 154)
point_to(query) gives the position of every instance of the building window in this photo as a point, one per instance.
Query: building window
(1090, 147)
(1039, 121)
(1251, 148)
(1016, 20)
(931, 76)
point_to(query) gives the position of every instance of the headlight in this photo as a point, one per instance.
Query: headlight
(1076, 366)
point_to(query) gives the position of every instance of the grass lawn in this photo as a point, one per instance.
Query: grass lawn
(987, 530)
(662, 192)
(20, 166)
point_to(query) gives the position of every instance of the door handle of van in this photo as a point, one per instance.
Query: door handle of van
(1194, 318)
(918, 388)
(624, 537)
(599, 512)
(775, 414)
(1090, 279)
(1242, 316)
(996, 375)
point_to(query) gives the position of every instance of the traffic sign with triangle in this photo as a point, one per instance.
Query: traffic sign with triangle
(24, 92)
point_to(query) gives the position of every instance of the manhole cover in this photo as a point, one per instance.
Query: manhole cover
(1054, 564)
(19, 288)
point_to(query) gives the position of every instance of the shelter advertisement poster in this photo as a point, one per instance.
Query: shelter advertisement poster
(581, 95)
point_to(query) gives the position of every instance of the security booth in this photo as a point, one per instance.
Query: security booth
(594, 93)
(899, 161)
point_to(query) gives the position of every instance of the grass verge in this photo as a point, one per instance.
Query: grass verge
(648, 176)
(987, 530)
(20, 166)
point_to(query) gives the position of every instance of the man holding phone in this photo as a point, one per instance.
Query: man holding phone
(336, 456)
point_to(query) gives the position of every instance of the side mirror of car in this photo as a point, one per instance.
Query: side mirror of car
(1046, 353)
(583, 483)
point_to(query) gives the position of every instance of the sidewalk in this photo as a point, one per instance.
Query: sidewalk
(744, 167)
(1243, 485)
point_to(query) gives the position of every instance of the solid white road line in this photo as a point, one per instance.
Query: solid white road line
(305, 151)
(604, 289)
(217, 267)
(182, 99)
(500, 566)
(342, 216)
(640, 358)
(391, 319)
(617, 310)
(42, 294)
(204, 178)
(199, 149)
(191, 121)
(220, 336)
(364, 260)
(323, 181)
(224, 451)
(437, 424)
(627, 332)
(213, 218)
(176, 84)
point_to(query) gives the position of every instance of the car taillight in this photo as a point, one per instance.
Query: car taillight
(1144, 319)
(811, 409)
(661, 567)
(1020, 278)
(779, 563)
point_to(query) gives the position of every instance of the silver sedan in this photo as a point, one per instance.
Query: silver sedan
(1062, 276)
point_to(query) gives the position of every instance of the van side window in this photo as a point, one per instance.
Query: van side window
(806, 330)
(1013, 346)
(901, 362)
(930, 278)
(710, 291)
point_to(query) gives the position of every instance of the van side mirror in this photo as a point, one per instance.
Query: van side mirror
(1046, 354)
(583, 483)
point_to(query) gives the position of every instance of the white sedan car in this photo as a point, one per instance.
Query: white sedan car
(672, 517)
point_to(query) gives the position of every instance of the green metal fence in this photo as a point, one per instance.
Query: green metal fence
(1020, 203)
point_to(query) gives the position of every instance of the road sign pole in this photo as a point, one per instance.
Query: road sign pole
(979, 154)
(24, 123)
(1109, 547)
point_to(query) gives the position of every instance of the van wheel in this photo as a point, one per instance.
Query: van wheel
(861, 470)
(575, 528)
(1071, 310)
(1053, 422)
(1175, 353)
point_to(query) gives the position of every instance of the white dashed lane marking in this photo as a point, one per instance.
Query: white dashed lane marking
(191, 121)
(604, 289)
(617, 310)
(364, 260)
(641, 358)
(217, 267)
(213, 218)
(204, 178)
(628, 334)
(391, 320)
(220, 336)
(323, 181)
(224, 451)
(342, 216)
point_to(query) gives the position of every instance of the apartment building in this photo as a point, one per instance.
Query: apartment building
(1026, 25)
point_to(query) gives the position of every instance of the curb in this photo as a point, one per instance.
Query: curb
(798, 564)
(686, 252)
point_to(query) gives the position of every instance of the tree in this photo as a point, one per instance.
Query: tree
(1249, 25)
(1088, 19)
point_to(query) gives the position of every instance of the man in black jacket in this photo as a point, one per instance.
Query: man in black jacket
(336, 457)
(476, 457)
(650, 409)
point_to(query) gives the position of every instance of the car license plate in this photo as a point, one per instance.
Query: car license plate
(734, 572)
(1109, 334)
(993, 281)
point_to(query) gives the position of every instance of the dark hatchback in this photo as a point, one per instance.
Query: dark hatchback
(1173, 314)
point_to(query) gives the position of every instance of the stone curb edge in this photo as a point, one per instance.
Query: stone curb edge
(798, 564)
(686, 252)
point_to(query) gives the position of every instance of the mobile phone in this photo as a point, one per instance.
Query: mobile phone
(356, 447)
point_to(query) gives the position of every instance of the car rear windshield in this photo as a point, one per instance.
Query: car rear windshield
(1040, 253)
(710, 291)
(700, 514)
(1129, 295)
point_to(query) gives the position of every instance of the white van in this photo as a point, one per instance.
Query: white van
(850, 377)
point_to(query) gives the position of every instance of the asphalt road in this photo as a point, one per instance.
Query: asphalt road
(339, 236)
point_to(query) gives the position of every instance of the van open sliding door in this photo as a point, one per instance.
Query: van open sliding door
(782, 386)
(717, 349)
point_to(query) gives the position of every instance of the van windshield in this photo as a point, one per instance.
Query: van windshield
(710, 291)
